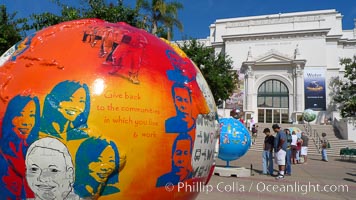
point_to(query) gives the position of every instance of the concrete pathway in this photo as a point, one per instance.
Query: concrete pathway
(316, 180)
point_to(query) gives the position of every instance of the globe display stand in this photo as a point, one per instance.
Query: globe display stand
(235, 141)
(232, 171)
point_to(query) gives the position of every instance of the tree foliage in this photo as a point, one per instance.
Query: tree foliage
(160, 17)
(88, 9)
(346, 96)
(216, 68)
(155, 16)
(111, 12)
(10, 32)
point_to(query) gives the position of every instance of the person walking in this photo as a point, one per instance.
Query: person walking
(299, 148)
(254, 133)
(294, 147)
(252, 122)
(324, 145)
(280, 147)
(304, 150)
(288, 170)
(267, 157)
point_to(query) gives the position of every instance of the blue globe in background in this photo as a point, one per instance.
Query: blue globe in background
(235, 139)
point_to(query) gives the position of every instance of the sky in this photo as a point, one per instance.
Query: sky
(198, 15)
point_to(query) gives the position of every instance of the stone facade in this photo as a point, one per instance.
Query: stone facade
(283, 48)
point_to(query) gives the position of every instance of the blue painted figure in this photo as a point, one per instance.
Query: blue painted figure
(180, 73)
(65, 111)
(181, 161)
(19, 129)
(183, 122)
(97, 168)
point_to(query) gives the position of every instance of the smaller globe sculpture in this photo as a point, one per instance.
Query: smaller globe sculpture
(309, 115)
(235, 140)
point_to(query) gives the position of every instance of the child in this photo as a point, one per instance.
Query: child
(254, 133)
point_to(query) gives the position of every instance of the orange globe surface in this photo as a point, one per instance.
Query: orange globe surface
(91, 109)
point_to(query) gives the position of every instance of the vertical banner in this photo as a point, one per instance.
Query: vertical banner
(235, 101)
(314, 88)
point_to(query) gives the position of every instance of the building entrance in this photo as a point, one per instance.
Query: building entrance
(272, 102)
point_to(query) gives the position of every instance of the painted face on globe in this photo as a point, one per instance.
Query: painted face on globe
(76, 105)
(24, 123)
(182, 100)
(47, 173)
(181, 157)
(104, 166)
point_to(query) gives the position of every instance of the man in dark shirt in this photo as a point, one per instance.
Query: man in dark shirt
(267, 158)
(304, 150)
(280, 147)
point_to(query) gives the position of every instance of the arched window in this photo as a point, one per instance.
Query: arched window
(272, 102)
(272, 94)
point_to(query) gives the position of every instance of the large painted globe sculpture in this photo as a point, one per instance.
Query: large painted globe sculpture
(91, 109)
(309, 115)
(235, 139)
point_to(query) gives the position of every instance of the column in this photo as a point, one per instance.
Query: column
(299, 86)
(249, 79)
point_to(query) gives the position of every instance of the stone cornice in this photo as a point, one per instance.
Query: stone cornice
(333, 38)
(277, 35)
(274, 20)
(278, 18)
(347, 42)
(217, 44)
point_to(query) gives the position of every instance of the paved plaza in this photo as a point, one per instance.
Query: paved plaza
(316, 180)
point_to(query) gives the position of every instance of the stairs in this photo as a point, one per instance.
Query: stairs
(334, 139)
(332, 135)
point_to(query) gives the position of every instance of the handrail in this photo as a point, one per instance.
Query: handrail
(314, 135)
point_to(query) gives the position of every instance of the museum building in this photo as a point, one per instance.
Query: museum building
(287, 62)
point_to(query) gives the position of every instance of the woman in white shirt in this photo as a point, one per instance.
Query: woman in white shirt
(294, 146)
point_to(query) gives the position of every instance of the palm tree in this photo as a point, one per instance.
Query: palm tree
(161, 12)
(171, 19)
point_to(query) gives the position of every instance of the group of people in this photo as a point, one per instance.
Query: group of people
(288, 149)
(55, 146)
